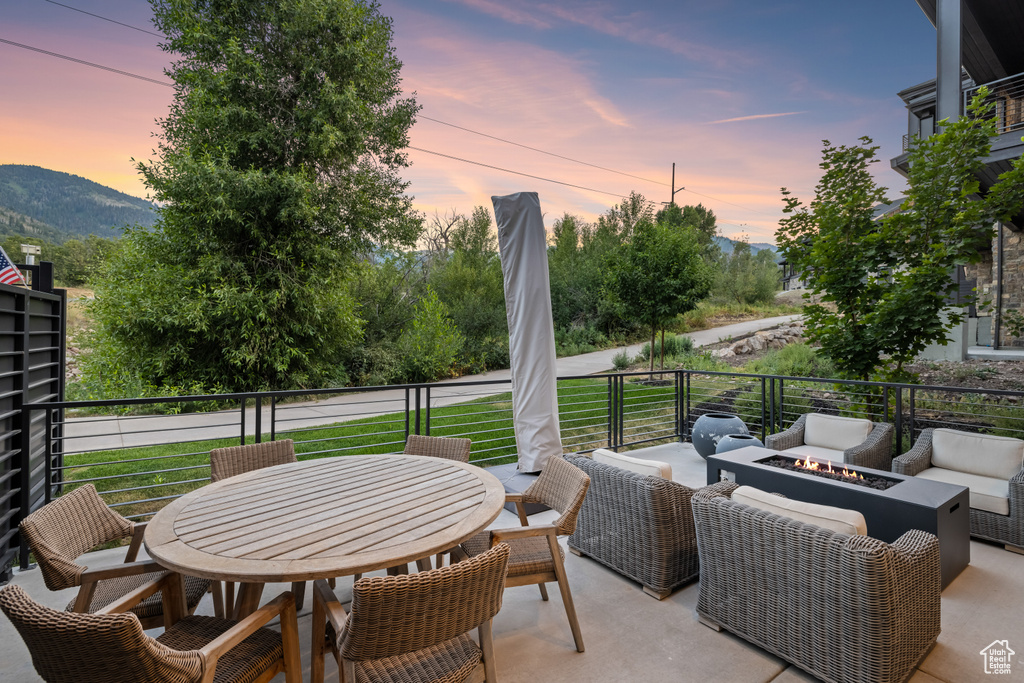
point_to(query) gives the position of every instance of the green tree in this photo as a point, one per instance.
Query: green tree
(659, 274)
(745, 277)
(701, 219)
(469, 283)
(278, 164)
(885, 282)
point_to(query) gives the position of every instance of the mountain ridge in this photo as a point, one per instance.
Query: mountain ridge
(56, 206)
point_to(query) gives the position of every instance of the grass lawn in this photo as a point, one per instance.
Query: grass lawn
(139, 481)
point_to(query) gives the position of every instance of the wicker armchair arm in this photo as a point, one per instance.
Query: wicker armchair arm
(875, 451)
(119, 570)
(1017, 492)
(136, 596)
(89, 578)
(334, 612)
(138, 531)
(282, 606)
(501, 535)
(917, 459)
(791, 438)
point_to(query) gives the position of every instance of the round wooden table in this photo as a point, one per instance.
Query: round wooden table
(323, 518)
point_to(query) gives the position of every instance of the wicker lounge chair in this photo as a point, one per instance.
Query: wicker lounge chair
(641, 526)
(537, 556)
(845, 608)
(111, 646)
(997, 488)
(234, 460)
(873, 449)
(413, 628)
(60, 532)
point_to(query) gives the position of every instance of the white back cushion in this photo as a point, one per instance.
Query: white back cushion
(837, 519)
(654, 468)
(837, 433)
(999, 457)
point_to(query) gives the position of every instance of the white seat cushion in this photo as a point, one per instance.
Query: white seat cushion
(816, 453)
(985, 455)
(837, 519)
(653, 468)
(837, 433)
(987, 493)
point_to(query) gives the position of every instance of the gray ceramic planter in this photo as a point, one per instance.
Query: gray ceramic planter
(731, 442)
(710, 428)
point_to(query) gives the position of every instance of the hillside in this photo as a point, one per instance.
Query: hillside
(35, 201)
(727, 245)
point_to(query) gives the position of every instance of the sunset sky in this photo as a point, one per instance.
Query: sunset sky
(738, 93)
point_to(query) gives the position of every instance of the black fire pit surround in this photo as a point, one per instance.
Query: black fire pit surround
(912, 503)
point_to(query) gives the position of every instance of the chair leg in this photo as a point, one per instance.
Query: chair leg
(487, 646)
(290, 644)
(563, 586)
(332, 582)
(229, 599)
(299, 591)
(543, 591)
(319, 641)
(218, 599)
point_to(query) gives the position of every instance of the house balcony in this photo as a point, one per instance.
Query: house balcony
(1008, 96)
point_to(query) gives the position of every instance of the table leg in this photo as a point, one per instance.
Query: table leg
(248, 600)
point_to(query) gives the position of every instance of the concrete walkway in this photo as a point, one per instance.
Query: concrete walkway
(111, 431)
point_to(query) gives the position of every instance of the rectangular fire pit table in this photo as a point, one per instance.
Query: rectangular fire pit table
(913, 503)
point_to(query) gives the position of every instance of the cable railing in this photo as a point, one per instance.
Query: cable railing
(1007, 94)
(142, 453)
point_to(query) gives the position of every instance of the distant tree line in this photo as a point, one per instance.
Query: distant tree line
(75, 261)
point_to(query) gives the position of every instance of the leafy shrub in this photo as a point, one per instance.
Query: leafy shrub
(793, 360)
(621, 360)
(431, 345)
(578, 339)
(675, 345)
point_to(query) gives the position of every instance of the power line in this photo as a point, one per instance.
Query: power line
(428, 118)
(534, 149)
(82, 61)
(112, 21)
(505, 170)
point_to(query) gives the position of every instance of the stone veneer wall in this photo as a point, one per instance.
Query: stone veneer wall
(1013, 277)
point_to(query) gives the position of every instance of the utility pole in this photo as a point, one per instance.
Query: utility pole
(672, 199)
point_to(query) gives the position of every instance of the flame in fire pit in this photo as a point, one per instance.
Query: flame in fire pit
(809, 464)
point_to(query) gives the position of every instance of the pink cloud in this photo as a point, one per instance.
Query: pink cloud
(504, 11)
(754, 117)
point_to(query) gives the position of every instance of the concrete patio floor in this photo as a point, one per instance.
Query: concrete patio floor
(630, 636)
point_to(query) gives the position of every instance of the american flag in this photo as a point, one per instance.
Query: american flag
(9, 273)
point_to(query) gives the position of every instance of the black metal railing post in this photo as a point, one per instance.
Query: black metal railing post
(763, 413)
(427, 409)
(679, 404)
(258, 426)
(407, 413)
(242, 420)
(913, 411)
(898, 426)
(686, 414)
(418, 410)
(273, 418)
(612, 381)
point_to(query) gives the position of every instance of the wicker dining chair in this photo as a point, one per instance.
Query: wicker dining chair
(437, 447)
(61, 531)
(537, 557)
(413, 628)
(234, 460)
(111, 646)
